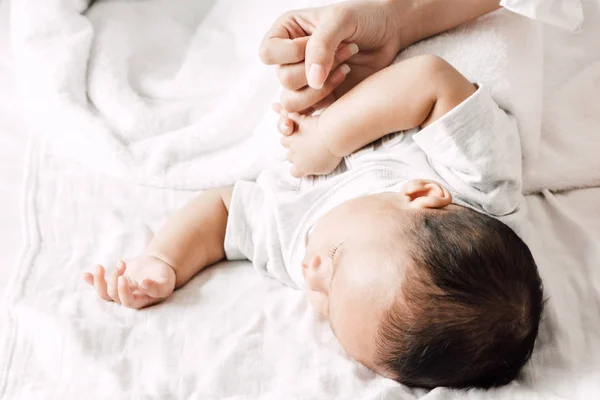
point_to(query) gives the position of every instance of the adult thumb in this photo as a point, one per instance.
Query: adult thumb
(322, 46)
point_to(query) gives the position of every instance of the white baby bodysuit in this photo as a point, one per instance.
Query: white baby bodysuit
(474, 151)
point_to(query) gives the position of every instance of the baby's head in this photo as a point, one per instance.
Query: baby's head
(423, 291)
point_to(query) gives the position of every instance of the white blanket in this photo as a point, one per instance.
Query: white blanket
(174, 113)
(171, 93)
(165, 92)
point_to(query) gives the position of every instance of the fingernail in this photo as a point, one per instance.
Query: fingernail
(316, 76)
(353, 49)
(346, 51)
(99, 269)
(341, 74)
(283, 127)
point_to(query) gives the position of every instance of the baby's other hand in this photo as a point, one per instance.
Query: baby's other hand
(307, 150)
(141, 282)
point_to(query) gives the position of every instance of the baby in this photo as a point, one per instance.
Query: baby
(394, 237)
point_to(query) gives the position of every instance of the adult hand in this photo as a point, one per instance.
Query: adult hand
(308, 45)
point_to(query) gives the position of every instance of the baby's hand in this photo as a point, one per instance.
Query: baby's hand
(140, 283)
(307, 150)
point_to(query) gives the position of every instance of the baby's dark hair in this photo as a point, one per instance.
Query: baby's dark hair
(470, 307)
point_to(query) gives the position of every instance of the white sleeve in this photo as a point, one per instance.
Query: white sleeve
(476, 150)
(243, 221)
(565, 14)
(252, 231)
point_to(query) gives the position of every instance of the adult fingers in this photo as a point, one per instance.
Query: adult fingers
(324, 103)
(323, 43)
(299, 100)
(278, 48)
(100, 283)
(293, 76)
(112, 289)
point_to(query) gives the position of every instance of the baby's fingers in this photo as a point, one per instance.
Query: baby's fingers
(157, 289)
(285, 126)
(88, 278)
(278, 109)
(112, 288)
(296, 172)
(128, 298)
(100, 283)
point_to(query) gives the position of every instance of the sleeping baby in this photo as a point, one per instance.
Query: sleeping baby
(394, 232)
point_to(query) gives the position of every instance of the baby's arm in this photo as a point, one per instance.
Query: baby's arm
(477, 151)
(191, 240)
(409, 94)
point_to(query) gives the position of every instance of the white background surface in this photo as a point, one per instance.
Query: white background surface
(13, 143)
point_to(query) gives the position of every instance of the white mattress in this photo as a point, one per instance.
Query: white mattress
(229, 333)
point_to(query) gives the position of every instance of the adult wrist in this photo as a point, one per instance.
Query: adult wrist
(415, 20)
(405, 19)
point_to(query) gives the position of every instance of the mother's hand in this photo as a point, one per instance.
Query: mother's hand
(309, 46)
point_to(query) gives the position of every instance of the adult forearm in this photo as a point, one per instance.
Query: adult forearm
(193, 237)
(420, 19)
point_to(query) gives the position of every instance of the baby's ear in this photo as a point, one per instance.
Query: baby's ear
(422, 193)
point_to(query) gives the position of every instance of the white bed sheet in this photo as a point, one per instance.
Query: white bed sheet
(230, 333)
(13, 145)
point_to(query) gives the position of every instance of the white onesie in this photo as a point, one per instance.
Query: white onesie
(474, 151)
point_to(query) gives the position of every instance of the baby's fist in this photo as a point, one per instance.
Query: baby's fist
(307, 150)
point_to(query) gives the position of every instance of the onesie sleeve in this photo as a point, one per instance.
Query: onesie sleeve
(476, 149)
(243, 221)
(252, 231)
